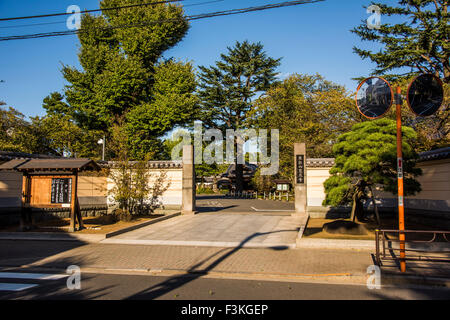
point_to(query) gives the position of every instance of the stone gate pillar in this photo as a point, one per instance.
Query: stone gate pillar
(188, 184)
(301, 199)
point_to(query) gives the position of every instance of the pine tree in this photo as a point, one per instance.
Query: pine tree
(227, 90)
(419, 43)
(366, 157)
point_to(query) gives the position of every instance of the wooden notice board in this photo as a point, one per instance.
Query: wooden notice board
(52, 191)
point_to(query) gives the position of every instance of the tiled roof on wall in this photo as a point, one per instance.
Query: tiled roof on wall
(438, 154)
(317, 163)
(150, 164)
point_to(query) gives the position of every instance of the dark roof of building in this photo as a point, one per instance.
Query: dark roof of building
(443, 153)
(33, 165)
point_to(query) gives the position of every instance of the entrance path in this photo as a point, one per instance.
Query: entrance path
(223, 222)
(220, 230)
(221, 204)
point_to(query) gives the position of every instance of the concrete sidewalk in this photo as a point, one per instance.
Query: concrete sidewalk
(348, 265)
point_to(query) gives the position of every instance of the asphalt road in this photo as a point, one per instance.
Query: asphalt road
(222, 204)
(192, 287)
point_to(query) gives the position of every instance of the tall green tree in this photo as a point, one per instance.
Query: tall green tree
(228, 89)
(306, 109)
(366, 158)
(418, 43)
(13, 130)
(64, 133)
(124, 75)
(21, 135)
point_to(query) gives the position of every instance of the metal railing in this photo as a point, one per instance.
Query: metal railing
(384, 244)
(242, 195)
(279, 196)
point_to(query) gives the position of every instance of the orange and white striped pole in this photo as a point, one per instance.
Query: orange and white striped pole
(401, 201)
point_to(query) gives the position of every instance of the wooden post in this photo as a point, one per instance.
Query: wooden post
(77, 205)
(25, 201)
(73, 204)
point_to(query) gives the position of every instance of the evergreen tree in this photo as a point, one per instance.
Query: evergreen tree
(419, 43)
(309, 109)
(366, 157)
(123, 74)
(227, 90)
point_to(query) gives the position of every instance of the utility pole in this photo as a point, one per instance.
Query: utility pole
(425, 96)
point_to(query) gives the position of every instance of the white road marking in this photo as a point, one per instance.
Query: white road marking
(16, 286)
(33, 276)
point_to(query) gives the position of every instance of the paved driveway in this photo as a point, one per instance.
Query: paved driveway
(223, 222)
(221, 204)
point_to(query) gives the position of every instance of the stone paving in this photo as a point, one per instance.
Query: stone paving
(221, 230)
(223, 222)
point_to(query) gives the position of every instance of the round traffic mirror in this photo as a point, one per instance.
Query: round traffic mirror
(425, 95)
(374, 97)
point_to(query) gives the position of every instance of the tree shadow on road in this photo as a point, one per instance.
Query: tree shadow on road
(196, 272)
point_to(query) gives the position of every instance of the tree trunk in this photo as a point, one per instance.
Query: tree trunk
(239, 177)
(375, 207)
(239, 168)
(353, 214)
(215, 189)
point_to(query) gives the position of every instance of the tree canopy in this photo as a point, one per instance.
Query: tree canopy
(366, 157)
(305, 108)
(125, 75)
(418, 43)
(228, 89)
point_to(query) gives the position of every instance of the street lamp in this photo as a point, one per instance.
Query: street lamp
(374, 98)
(102, 142)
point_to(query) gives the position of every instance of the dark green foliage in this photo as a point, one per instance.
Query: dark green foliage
(366, 157)
(228, 88)
(419, 43)
(123, 75)
(305, 108)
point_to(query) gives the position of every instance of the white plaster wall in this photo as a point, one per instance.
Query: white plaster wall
(315, 190)
(172, 196)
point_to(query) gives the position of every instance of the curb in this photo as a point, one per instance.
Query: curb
(336, 244)
(212, 244)
(90, 238)
(395, 279)
(304, 224)
(141, 225)
(338, 278)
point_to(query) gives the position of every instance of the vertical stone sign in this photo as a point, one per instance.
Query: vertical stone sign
(188, 192)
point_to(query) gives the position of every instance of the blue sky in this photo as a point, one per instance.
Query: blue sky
(311, 38)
